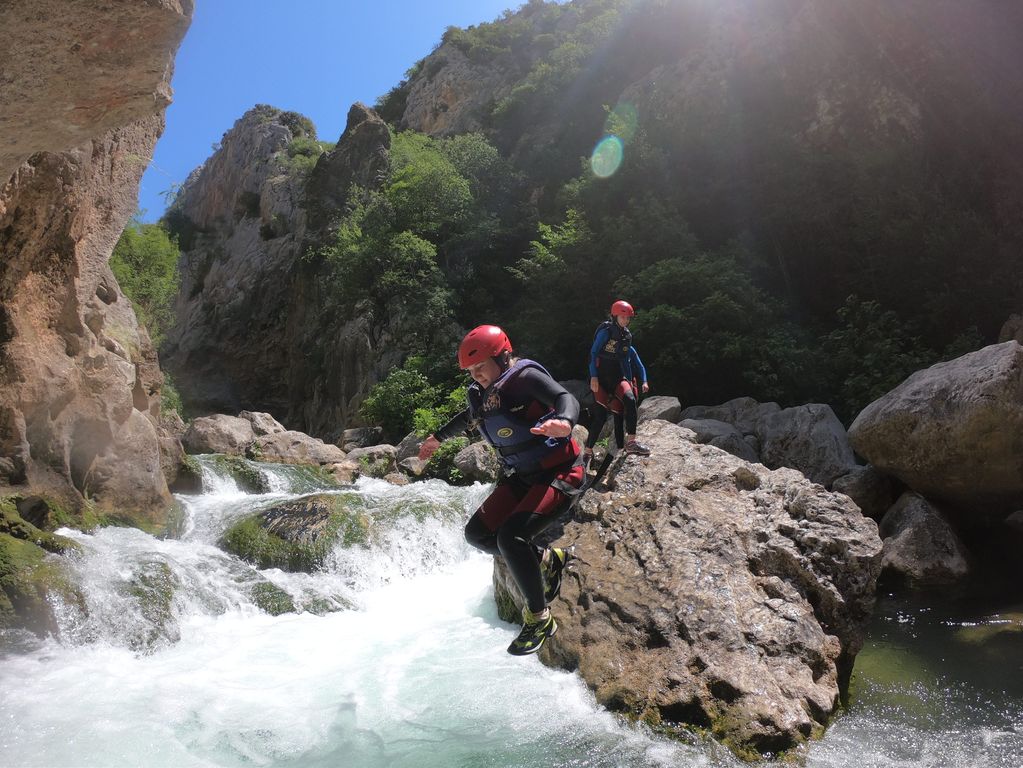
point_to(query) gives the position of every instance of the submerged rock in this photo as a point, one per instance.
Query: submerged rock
(714, 593)
(298, 535)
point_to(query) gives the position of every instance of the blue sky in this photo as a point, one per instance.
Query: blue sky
(316, 57)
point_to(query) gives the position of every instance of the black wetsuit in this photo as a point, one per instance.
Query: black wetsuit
(527, 498)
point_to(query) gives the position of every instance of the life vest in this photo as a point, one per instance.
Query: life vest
(504, 414)
(617, 346)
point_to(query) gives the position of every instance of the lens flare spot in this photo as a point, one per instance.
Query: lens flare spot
(607, 156)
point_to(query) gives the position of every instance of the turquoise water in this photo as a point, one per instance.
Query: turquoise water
(413, 671)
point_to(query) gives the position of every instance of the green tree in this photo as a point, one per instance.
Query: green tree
(145, 263)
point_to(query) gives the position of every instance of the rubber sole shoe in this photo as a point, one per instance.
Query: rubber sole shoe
(553, 570)
(532, 636)
(632, 448)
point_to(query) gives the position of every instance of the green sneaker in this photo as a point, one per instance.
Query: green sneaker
(552, 571)
(534, 632)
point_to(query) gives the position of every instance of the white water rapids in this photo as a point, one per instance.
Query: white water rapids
(397, 659)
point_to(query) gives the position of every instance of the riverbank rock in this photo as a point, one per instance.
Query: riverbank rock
(743, 413)
(478, 462)
(660, 407)
(920, 546)
(219, 433)
(298, 535)
(872, 491)
(809, 438)
(721, 435)
(953, 431)
(715, 593)
(293, 447)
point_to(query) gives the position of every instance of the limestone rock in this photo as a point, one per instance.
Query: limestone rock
(80, 111)
(953, 431)
(478, 461)
(809, 438)
(376, 460)
(293, 447)
(408, 447)
(871, 490)
(714, 592)
(920, 545)
(721, 435)
(219, 433)
(660, 407)
(743, 413)
(262, 423)
(360, 437)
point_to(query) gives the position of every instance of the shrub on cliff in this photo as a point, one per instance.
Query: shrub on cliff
(145, 263)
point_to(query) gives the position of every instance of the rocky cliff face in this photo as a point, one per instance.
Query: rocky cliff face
(81, 108)
(254, 330)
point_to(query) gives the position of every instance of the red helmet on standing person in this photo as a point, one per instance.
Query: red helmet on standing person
(622, 308)
(482, 342)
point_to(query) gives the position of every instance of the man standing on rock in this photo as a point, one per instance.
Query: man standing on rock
(615, 369)
(528, 417)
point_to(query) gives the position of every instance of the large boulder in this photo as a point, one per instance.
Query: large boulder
(81, 108)
(478, 462)
(293, 447)
(809, 438)
(953, 431)
(660, 407)
(714, 593)
(872, 491)
(219, 433)
(262, 423)
(920, 546)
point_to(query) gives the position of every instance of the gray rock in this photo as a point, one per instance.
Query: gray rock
(408, 447)
(952, 431)
(809, 438)
(743, 413)
(707, 429)
(360, 437)
(736, 445)
(219, 433)
(377, 460)
(920, 545)
(871, 490)
(262, 423)
(293, 447)
(715, 593)
(721, 435)
(478, 461)
(660, 407)
(413, 465)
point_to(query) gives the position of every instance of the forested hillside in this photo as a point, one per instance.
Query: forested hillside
(805, 200)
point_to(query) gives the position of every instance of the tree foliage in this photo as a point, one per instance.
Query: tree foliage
(145, 263)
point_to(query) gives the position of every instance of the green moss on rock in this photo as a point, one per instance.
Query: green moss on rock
(298, 535)
(272, 599)
(248, 477)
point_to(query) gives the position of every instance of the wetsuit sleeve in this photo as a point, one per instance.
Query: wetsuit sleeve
(543, 388)
(637, 365)
(599, 340)
(458, 425)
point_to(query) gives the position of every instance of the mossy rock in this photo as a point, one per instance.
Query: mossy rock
(442, 464)
(29, 580)
(189, 477)
(152, 585)
(248, 477)
(299, 534)
(272, 599)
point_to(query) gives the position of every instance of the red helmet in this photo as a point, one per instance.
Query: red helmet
(480, 343)
(622, 308)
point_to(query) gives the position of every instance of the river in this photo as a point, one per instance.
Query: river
(397, 658)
